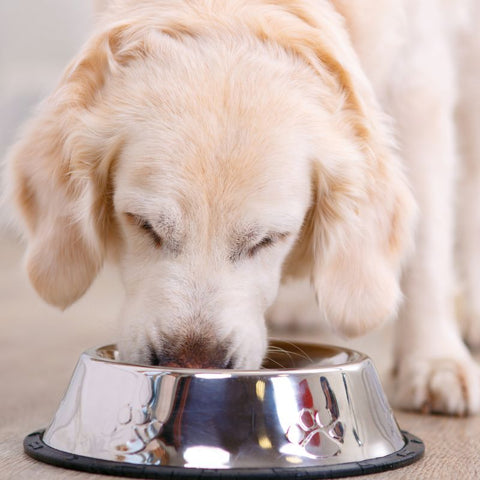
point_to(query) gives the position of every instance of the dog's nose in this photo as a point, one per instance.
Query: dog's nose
(191, 352)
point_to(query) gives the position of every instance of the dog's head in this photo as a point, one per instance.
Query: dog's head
(210, 158)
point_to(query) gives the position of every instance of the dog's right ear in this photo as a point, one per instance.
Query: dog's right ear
(59, 177)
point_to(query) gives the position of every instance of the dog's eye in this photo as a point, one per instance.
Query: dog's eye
(149, 229)
(264, 242)
(146, 226)
(267, 241)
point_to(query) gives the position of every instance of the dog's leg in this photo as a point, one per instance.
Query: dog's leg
(434, 370)
(468, 217)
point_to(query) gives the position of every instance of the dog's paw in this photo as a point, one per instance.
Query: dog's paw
(437, 385)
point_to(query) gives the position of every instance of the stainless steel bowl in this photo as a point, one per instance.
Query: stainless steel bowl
(312, 410)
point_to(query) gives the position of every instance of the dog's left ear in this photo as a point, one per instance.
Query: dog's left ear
(360, 226)
(59, 178)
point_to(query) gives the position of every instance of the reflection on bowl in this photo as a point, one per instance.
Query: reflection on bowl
(311, 409)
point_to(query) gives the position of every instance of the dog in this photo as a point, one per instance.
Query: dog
(216, 149)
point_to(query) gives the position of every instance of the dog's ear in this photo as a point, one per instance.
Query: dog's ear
(360, 226)
(59, 177)
(355, 238)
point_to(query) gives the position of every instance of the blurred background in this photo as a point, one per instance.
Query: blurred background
(37, 39)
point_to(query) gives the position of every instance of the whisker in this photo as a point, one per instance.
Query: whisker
(279, 350)
(300, 351)
(268, 359)
(288, 352)
(297, 354)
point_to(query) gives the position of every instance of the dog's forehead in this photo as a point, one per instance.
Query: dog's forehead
(201, 142)
(228, 198)
(220, 172)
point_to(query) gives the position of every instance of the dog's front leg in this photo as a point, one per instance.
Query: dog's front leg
(434, 371)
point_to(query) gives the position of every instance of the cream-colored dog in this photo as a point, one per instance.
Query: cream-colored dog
(216, 147)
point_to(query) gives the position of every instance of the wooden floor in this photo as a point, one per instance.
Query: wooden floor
(39, 347)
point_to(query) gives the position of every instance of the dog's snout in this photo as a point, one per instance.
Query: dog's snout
(191, 352)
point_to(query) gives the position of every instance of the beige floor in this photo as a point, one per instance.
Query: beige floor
(39, 347)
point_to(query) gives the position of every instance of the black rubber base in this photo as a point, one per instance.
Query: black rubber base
(36, 448)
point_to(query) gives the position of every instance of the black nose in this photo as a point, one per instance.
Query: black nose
(191, 351)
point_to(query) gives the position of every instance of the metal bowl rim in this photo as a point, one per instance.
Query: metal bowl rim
(219, 373)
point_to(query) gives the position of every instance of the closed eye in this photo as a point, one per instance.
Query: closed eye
(264, 242)
(267, 241)
(146, 226)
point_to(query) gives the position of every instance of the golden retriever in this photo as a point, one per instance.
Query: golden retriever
(214, 148)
